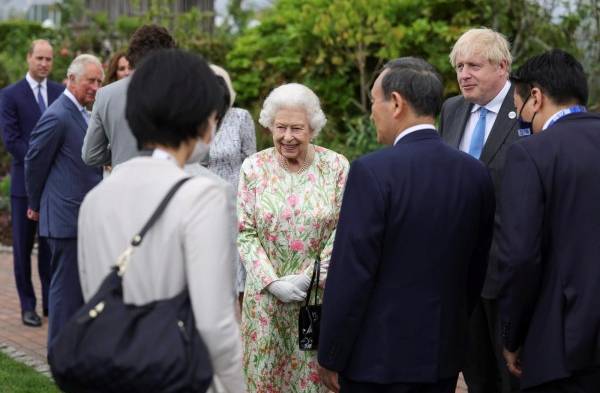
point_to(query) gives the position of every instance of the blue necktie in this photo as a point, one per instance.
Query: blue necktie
(86, 115)
(478, 137)
(40, 99)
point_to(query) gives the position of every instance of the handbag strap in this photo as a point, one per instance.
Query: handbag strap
(316, 273)
(137, 239)
(123, 259)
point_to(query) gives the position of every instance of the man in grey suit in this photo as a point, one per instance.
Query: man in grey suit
(482, 122)
(108, 140)
(57, 180)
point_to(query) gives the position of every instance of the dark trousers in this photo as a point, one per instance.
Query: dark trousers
(485, 369)
(24, 230)
(581, 382)
(444, 386)
(65, 289)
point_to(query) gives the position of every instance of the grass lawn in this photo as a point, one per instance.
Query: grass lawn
(16, 377)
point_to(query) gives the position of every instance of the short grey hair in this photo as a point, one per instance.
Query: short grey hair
(293, 95)
(77, 66)
(488, 43)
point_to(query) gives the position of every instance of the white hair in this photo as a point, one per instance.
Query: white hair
(77, 66)
(293, 95)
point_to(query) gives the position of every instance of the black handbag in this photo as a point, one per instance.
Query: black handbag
(309, 319)
(110, 346)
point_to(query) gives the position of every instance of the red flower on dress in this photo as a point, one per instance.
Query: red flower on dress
(297, 245)
(293, 200)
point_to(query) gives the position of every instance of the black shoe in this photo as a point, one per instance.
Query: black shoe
(30, 318)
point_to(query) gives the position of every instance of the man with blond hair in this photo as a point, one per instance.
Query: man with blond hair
(482, 122)
(56, 180)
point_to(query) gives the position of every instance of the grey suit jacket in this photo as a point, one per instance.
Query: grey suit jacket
(108, 140)
(453, 120)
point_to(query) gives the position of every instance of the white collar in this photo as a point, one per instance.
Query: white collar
(495, 104)
(410, 130)
(161, 154)
(73, 99)
(34, 84)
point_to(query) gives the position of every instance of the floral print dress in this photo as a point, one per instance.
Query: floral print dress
(285, 220)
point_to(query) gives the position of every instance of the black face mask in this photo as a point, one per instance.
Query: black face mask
(525, 127)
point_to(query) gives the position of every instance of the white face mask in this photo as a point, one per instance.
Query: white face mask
(201, 151)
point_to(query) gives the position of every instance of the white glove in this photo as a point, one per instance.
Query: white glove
(286, 291)
(301, 281)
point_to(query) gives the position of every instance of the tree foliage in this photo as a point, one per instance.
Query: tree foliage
(333, 46)
(337, 46)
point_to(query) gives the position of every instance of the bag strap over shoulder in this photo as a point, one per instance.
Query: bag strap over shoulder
(123, 259)
(137, 239)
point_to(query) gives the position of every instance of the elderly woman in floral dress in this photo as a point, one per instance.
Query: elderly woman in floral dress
(288, 204)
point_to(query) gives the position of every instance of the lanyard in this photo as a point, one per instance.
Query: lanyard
(560, 114)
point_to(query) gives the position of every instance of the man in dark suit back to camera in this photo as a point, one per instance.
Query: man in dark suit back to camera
(57, 180)
(21, 106)
(410, 252)
(482, 122)
(548, 238)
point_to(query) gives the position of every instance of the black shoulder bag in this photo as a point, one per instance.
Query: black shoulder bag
(110, 346)
(309, 320)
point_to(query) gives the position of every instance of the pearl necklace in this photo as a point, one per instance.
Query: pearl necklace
(308, 159)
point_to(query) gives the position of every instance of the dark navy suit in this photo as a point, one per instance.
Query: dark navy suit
(549, 253)
(408, 265)
(19, 112)
(57, 181)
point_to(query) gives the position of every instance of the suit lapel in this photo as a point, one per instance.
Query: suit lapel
(77, 116)
(30, 97)
(461, 116)
(502, 127)
(53, 93)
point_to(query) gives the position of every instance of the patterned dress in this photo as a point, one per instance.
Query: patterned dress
(235, 140)
(285, 220)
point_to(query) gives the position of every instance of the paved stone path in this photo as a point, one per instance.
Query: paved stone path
(27, 344)
(23, 343)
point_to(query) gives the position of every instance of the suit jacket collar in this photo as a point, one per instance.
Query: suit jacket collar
(54, 91)
(77, 116)
(53, 88)
(502, 127)
(462, 116)
(420, 135)
(26, 89)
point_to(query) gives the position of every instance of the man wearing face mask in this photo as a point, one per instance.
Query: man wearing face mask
(548, 233)
(482, 122)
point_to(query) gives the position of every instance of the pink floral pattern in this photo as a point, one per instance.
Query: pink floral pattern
(286, 219)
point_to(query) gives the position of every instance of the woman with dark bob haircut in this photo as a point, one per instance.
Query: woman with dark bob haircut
(171, 105)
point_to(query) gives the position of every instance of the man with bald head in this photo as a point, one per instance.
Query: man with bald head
(21, 106)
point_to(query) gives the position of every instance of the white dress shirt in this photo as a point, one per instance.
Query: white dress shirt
(493, 108)
(80, 108)
(410, 130)
(34, 87)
